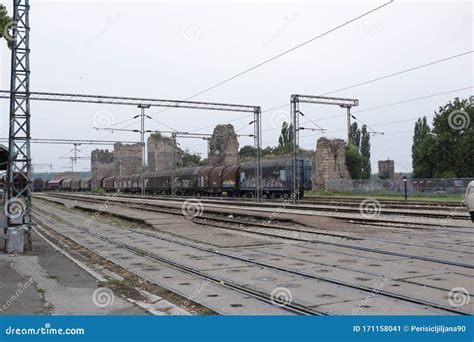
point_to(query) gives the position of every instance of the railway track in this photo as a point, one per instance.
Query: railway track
(294, 307)
(350, 202)
(453, 211)
(457, 212)
(210, 218)
(384, 202)
(291, 307)
(368, 220)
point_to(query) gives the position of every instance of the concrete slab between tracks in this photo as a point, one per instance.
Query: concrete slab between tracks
(195, 288)
(45, 282)
(179, 226)
(352, 266)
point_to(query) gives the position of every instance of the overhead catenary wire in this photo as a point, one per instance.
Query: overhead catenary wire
(390, 104)
(281, 54)
(357, 84)
(383, 77)
(291, 49)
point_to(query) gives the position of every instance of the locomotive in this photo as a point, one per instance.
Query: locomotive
(238, 180)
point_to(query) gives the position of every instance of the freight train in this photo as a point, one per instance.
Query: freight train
(237, 180)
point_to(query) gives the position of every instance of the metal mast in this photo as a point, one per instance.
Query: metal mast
(142, 136)
(295, 101)
(295, 115)
(19, 163)
(257, 136)
(173, 171)
(349, 130)
(134, 101)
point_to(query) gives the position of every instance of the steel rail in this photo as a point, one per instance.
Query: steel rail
(299, 273)
(365, 249)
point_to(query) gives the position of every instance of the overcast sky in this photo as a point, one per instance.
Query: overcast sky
(174, 50)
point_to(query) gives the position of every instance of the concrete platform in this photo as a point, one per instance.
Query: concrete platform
(45, 282)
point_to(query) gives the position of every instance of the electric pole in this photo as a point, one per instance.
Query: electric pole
(142, 136)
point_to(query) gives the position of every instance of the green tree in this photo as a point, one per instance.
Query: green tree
(355, 134)
(354, 161)
(446, 150)
(285, 141)
(247, 151)
(421, 159)
(189, 159)
(5, 25)
(365, 152)
(453, 130)
(360, 140)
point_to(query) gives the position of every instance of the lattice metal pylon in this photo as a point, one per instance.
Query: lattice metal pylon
(18, 205)
(295, 101)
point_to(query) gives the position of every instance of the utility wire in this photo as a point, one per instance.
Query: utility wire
(390, 104)
(283, 53)
(384, 77)
(289, 50)
(411, 100)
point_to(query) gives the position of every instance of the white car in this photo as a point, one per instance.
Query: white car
(469, 199)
